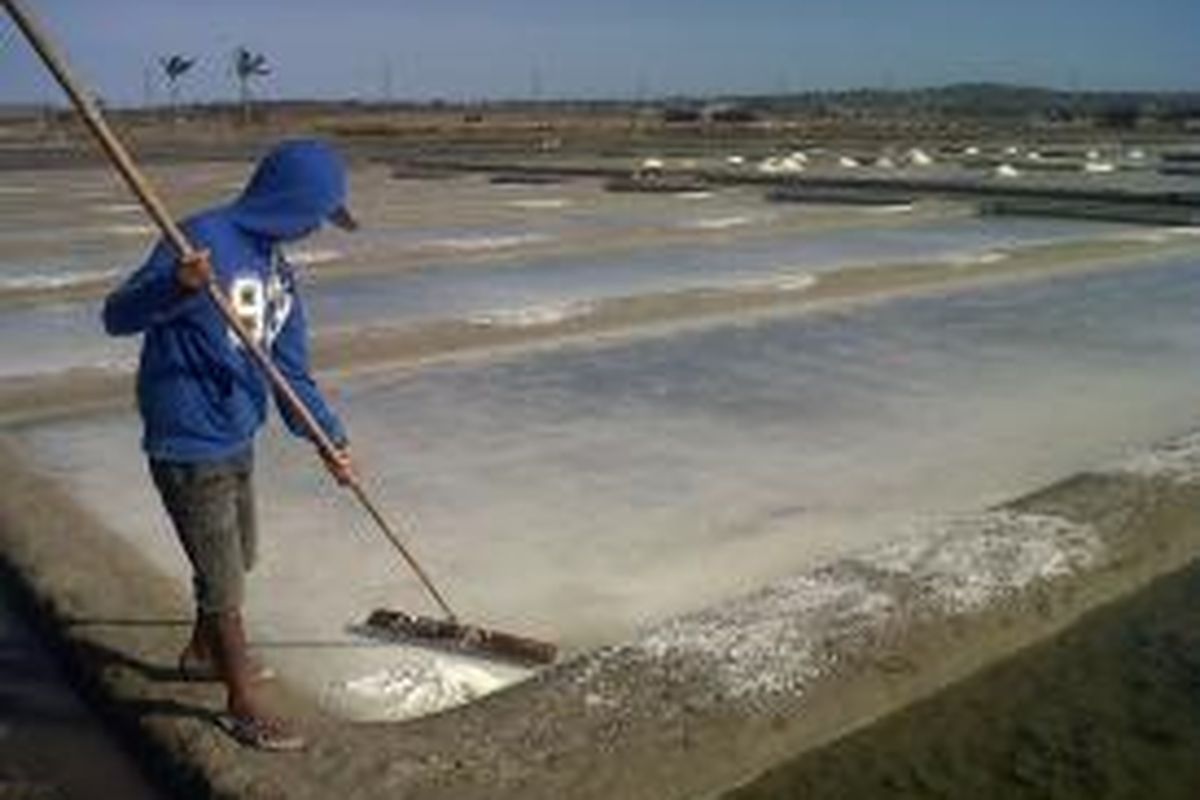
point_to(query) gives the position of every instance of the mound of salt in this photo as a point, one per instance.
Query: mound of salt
(424, 684)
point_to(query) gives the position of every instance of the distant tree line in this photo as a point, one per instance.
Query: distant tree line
(992, 101)
(968, 101)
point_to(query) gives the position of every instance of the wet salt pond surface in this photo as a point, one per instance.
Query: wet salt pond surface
(474, 212)
(52, 338)
(582, 493)
(561, 284)
(59, 336)
(57, 224)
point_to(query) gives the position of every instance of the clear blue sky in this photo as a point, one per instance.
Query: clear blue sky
(469, 49)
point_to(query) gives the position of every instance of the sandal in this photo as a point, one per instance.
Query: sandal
(194, 669)
(261, 734)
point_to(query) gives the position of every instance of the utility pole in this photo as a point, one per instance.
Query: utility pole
(535, 83)
(782, 85)
(641, 90)
(388, 86)
(147, 87)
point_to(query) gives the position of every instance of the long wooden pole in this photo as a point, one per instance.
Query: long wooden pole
(144, 191)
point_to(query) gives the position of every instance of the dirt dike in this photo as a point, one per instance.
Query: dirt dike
(689, 708)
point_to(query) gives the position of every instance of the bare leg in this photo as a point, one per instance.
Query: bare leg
(198, 662)
(227, 643)
(197, 648)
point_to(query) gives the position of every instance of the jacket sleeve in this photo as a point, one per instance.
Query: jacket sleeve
(148, 296)
(290, 351)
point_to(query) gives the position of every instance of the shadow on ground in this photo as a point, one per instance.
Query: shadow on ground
(51, 746)
(1109, 709)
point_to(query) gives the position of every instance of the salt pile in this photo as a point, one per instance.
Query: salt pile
(532, 316)
(919, 158)
(540, 203)
(783, 282)
(966, 563)
(782, 638)
(425, 684)
(772, 640)
(307, 257)
(717, 223)
(478, 243)
(46, 281)
(1177, 460)
(981, 258)
(117, 208)
(129, 230)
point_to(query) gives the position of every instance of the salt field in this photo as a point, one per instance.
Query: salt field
(582, 491)
(585, 492)
(51, 338)
(457, 291)
(785, 248)
(807, 406)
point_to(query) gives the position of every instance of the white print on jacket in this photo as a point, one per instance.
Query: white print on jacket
(262, 308)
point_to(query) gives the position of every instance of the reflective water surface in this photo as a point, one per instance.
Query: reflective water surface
(585, 491)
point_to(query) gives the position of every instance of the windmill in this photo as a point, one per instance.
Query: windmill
(248, 65)
(174, 67)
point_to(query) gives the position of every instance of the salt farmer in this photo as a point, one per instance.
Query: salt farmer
(202, 398)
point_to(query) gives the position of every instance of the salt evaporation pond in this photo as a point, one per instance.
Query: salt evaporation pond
(467, 291)
(581, 493)
(56, 225)
(52, 338)
(61, 336)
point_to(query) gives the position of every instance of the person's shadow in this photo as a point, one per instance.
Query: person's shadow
(100, 658)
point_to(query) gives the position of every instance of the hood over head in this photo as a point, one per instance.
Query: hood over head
(296, 187)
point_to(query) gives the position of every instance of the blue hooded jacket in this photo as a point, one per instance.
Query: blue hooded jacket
(200, 395)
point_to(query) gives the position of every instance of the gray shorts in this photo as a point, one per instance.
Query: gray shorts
(211, 505)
